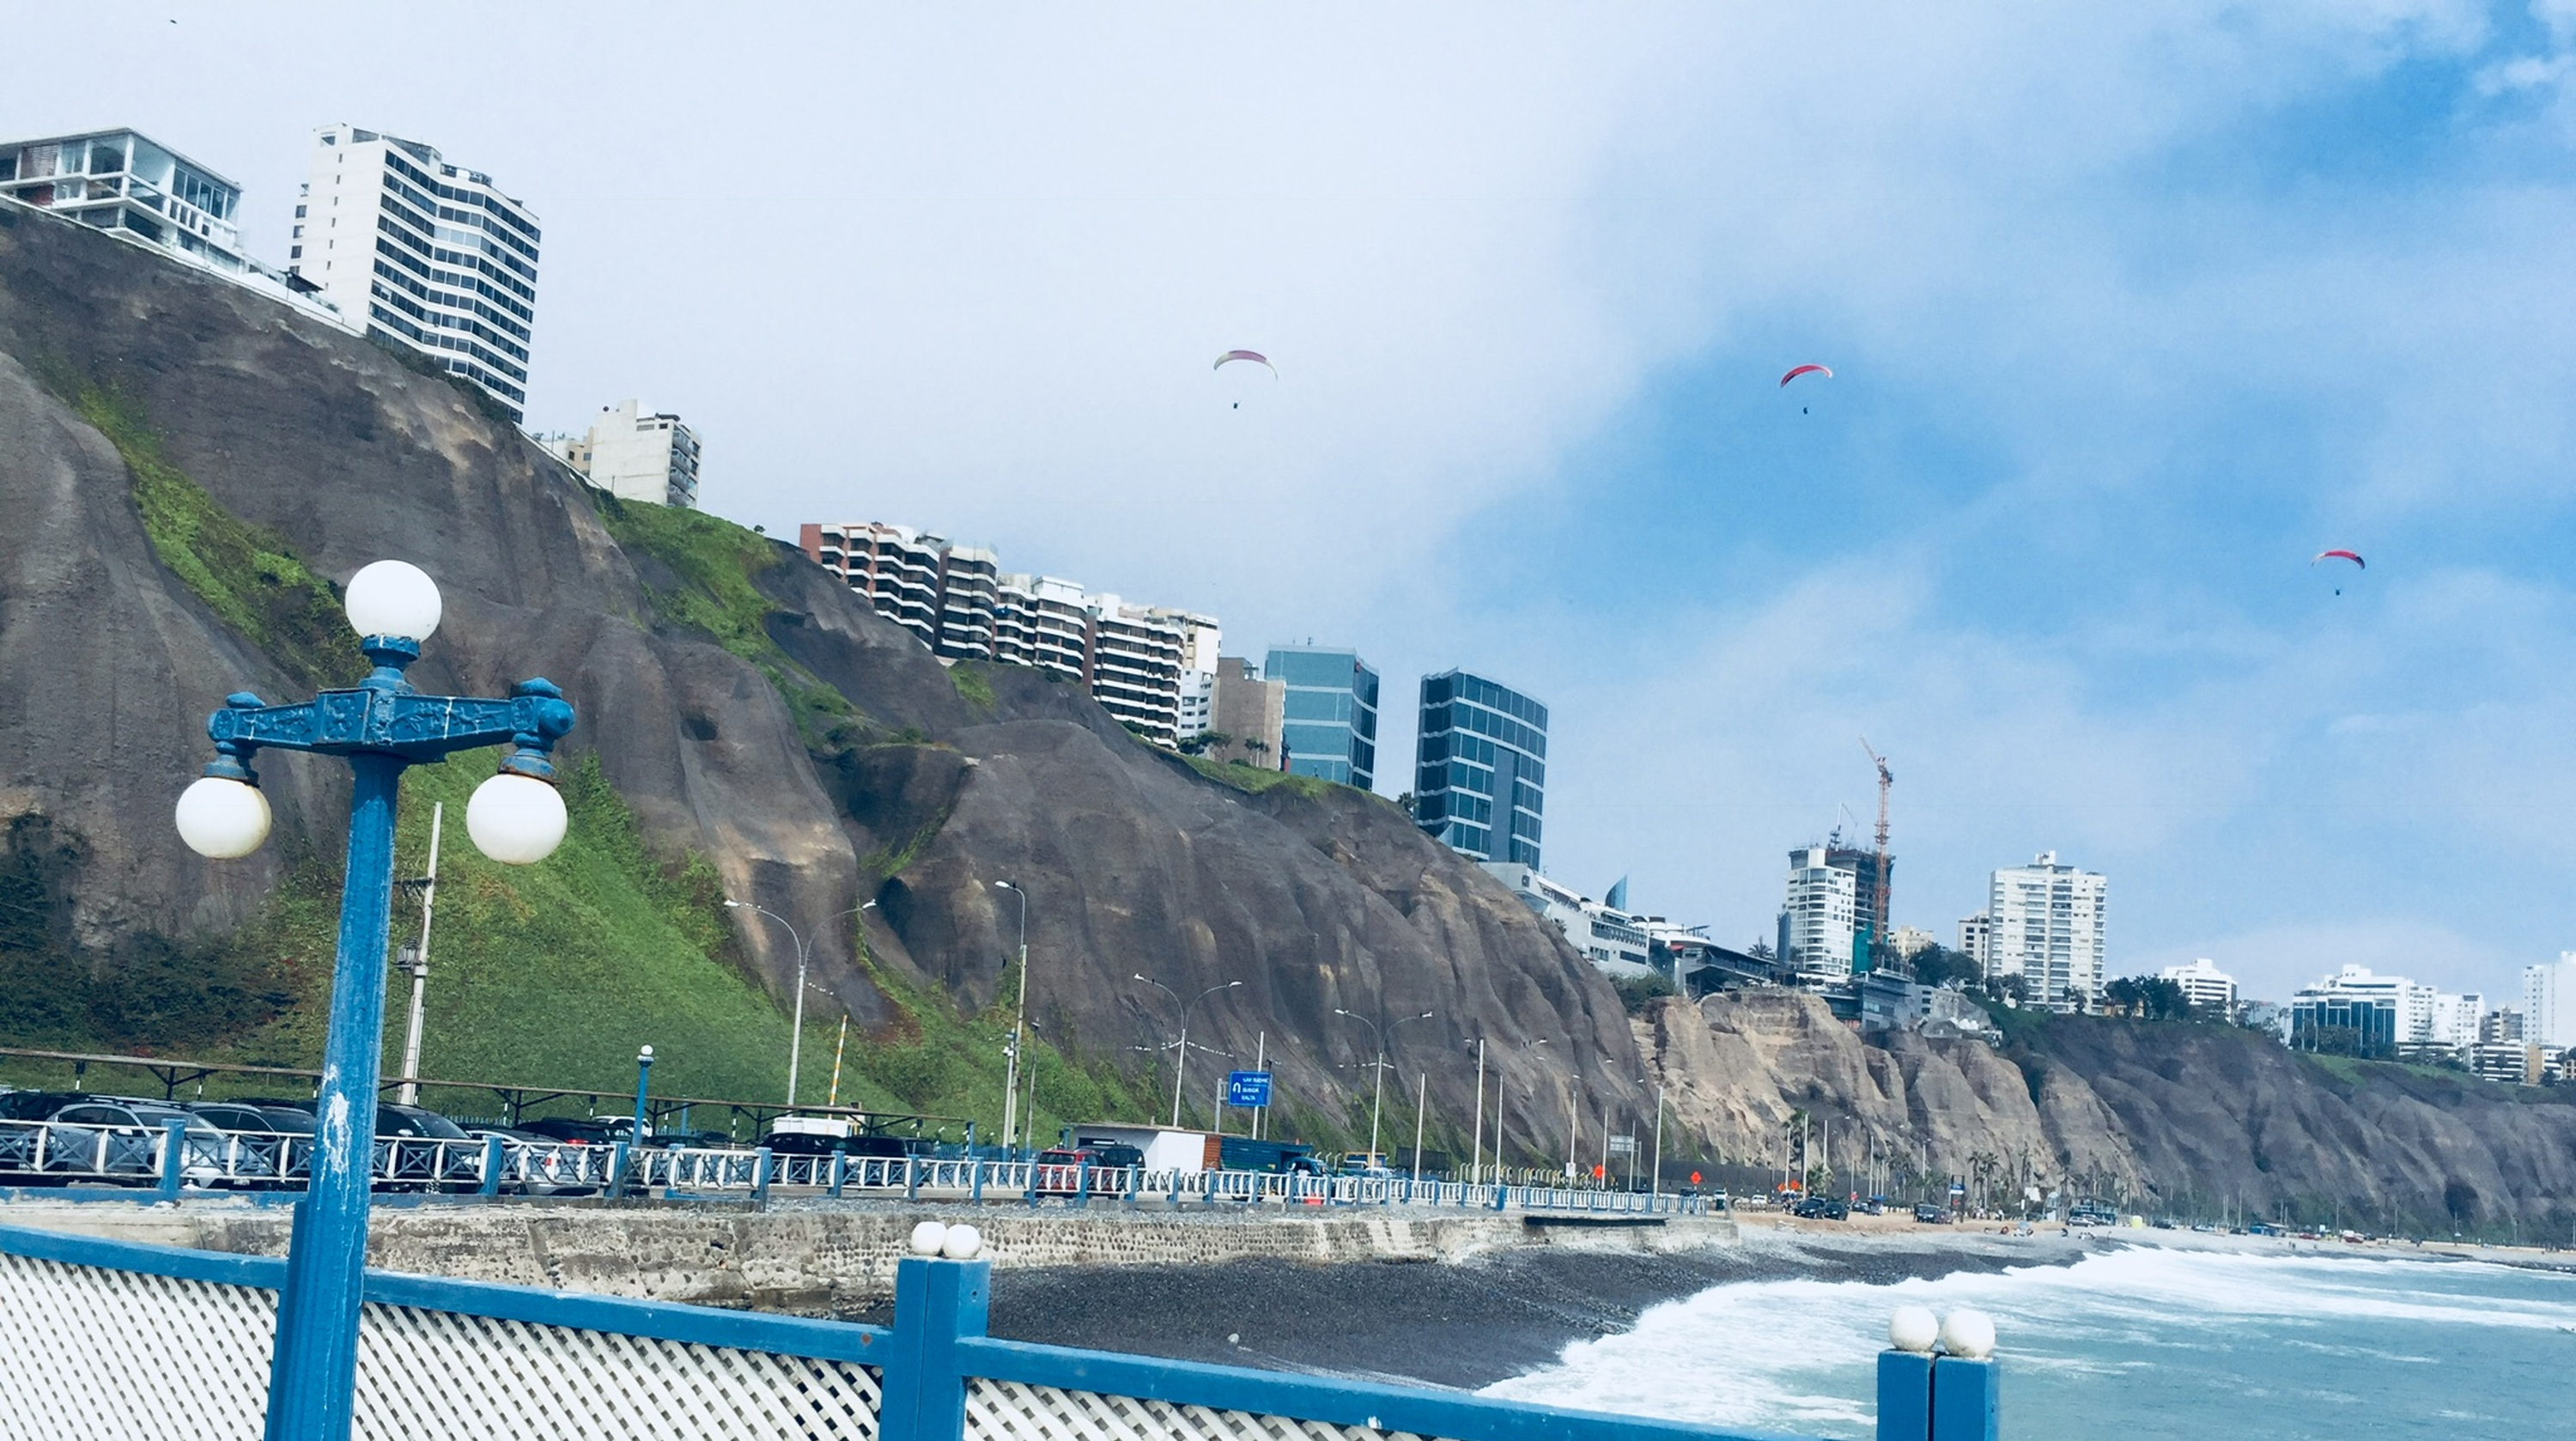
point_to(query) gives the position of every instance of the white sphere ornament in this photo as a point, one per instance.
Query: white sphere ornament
(962, 1243)
(1969, 1334)
(222, 820)
(395, 598)
(928, 1237)
(1913, 1328)
(516, 820)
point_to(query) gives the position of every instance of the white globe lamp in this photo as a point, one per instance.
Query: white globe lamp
(222, 820)
(516, 820)
(928, 1237)
(962, 1243)
(1970, 1334)
(1913, 1328)
(393, 598)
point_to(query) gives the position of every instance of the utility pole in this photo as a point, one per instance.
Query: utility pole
(1421, 1100)
(420, 965)
(1019, 1026)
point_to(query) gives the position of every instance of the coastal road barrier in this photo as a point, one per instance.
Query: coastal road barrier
(111, 1340)
(38, 1154)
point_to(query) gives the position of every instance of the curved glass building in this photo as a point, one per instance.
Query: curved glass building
(1480, 767)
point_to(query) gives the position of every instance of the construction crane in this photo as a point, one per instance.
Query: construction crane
(1878, 902)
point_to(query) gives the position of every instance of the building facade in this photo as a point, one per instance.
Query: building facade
(1616, 943)
(2049, 926)
(1977, 941)
(2375, 1015)
(428, 253)
(2210, 990)
(1480, 767)
(1250, 711)
(124, 182)
(2549, 1002)
(1331, 712)
(634, 456)
(1151, 667)
(1817, 917)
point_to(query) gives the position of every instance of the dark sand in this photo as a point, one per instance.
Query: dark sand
(1463, 1324)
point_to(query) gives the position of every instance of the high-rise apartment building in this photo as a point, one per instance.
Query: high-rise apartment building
(2549, 1002)
(634, 456)
(2049, 925)
(2210, 990)
(124, 182)
(1817, 918)
(1977, 941)
(1151, 667)
(423, 251)
(1480, 767)
(1330, 712)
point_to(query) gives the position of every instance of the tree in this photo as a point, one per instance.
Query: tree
(1938, 965)
(2148, 998)
(1206, 741)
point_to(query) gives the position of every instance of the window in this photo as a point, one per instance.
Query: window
(105, 159)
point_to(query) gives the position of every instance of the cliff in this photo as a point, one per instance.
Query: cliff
(2185, 1118)
(189, 469)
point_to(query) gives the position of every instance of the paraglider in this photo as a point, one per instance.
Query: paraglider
(1798, 370)
(1252, 355)
(2354, 557)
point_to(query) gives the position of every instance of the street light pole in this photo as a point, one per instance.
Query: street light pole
(382, 727)
(1377, 1102)
(420, 964)
(1019, 1027)
(643, 1088)
(1476, 1162)
(796, 1033)
(1181, 1060)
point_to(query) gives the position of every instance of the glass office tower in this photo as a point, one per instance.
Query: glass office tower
(1330, 712)
(1480, 767)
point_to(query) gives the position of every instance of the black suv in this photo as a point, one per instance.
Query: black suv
(1822, 1208)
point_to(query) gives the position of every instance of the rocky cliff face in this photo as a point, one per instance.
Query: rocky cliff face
(813, 753)
(2185, 1117)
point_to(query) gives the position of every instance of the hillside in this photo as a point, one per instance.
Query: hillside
(189, 470)
(2190, 1119)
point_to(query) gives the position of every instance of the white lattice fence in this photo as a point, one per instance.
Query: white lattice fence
(1010, 1411)
(88, 1354)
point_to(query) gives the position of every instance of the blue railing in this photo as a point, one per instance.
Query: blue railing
(177, 1158)
(107, 1319)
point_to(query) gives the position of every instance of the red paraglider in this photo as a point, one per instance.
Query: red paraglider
(1252, 355)
(2341, 555)
(1799, 370)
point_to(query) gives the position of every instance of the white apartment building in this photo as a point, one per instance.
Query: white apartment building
(2050, 923)
(2420, 1017)
(124, 182)
(2549, 1002)
(634, 456)
(1615, 942)
(423, 251)
(1977, 941)
(2208, 988)
(1816, 920)
(1151, 667)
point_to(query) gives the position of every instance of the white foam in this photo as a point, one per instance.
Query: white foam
(1798, 1355)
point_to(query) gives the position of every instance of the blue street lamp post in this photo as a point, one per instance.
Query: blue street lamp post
(381, 726)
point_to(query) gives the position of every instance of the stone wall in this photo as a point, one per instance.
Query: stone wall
(822, 1258)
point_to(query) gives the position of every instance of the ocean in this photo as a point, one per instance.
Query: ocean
(2139, 1344)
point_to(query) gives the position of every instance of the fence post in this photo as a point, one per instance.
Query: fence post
(616, 1170)
(911, 1176)
(1904, 1395)
(174, 1158)
(1965, 1394)
(491, 1185)
(840, 1171)
(760, 1176)
(1082, 1184)
(974, 1178)
(936, 1302)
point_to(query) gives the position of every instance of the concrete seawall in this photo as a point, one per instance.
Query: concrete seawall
(821, 1258)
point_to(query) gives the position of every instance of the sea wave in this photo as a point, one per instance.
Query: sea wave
(1798, 1355)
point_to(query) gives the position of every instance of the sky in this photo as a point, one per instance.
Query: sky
(2131, 310)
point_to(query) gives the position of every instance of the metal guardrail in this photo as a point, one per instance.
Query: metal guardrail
(87, 1318)
(179, 1158)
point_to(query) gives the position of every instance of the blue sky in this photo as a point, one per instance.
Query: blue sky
(2132, 310)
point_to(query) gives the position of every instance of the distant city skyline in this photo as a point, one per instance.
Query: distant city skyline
(2043, 537)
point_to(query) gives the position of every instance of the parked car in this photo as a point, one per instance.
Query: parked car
(1364, 1165)
(1930, 1215)
(121, 1141)
(1822, 1208)
(535, 1165)
(41, 1105)
(1061, 1171)
(572, 1130)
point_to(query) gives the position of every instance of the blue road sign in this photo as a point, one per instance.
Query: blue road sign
(1247, 1088)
